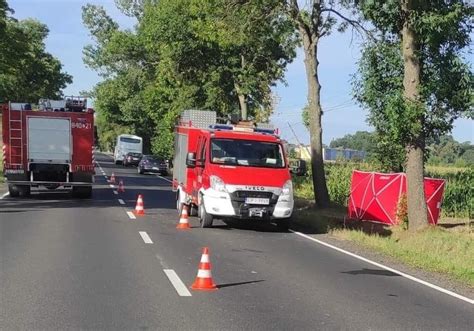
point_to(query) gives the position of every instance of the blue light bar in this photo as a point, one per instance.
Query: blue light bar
(270, 131)
(221, 127)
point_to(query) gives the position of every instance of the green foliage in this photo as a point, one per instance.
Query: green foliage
(184, 54)
(446, 150)
(468, 157)
(459, 191)
(27, 71)
(132, 8)
(361, 140)
(443, 31)
(338, 178)
(108, 133)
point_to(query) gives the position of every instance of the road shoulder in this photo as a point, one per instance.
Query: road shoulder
(435, 278)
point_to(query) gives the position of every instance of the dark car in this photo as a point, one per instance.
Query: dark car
(131, 159)
(153, 164)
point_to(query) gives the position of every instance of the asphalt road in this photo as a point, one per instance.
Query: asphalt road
(83, 264)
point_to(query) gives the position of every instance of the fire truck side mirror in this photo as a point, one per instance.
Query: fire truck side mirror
(191, 160)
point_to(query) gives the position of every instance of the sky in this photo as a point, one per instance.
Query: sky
(338, 56)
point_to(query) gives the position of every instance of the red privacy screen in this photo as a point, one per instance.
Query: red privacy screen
(375, 196)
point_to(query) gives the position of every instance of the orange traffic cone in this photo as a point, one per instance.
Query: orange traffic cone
(183, 219)
(112, 178)
(139, 210)
(121, 187)
(204, 280)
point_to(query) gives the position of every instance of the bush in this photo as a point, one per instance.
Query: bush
(338, 179)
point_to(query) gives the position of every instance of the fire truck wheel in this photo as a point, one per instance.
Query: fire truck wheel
(24, 191)
(13, 191)
(205, 219)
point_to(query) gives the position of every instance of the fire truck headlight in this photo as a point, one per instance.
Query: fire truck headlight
(287, 191)
(217, 184)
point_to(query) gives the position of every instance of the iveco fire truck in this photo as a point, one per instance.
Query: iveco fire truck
(231, 171)
(51, 146)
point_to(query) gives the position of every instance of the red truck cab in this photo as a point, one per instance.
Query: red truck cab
(231, 171)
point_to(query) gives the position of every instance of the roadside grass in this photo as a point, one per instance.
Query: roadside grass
(447, 248)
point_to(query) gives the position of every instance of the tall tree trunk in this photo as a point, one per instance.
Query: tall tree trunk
(242, 102)
(241, 95)
(310, 44)
(417, 211)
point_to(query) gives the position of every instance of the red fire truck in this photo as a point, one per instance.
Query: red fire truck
(231, 171)
(51, 146)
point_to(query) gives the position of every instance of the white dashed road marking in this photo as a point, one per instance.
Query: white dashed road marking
(164, 178)
(435, 287)
(121, 201)
(131, 216)
(115, 192)
(146, 238)
(177, 283)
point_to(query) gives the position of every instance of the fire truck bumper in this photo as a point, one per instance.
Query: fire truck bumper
(224, 205)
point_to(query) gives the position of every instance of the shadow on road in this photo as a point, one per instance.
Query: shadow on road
(240, 283)
(376, 272)
(249, 225)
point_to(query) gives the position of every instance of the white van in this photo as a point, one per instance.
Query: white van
(127, 143)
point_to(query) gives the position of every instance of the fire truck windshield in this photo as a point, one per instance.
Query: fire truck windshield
(247, 153)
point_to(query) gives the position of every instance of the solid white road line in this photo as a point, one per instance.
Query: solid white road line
(115, 192)
(435, 287)
(131, 216)
(146, 238)
(121, 201)
(169, 181)
(177, 283)
(4, 195)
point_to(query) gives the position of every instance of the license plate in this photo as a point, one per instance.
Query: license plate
(257, 201)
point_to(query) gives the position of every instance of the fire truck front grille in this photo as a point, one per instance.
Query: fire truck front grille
(253, 194)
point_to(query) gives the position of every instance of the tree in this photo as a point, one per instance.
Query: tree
(361, 140)
(414, 81)
(312, 25)
(132, 8)
(255, 41)
(446, 150)
(29, 72)
(468, 157)
(185, 54)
